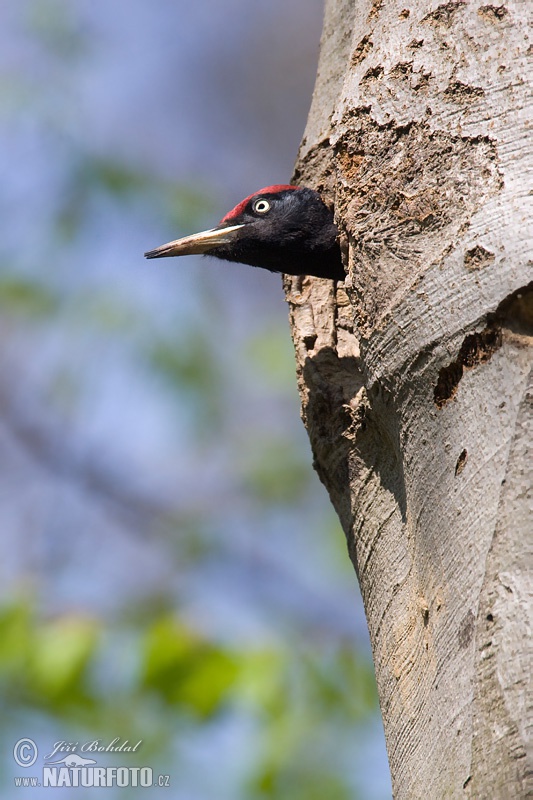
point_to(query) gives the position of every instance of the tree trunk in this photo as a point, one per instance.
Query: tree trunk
(416, 374)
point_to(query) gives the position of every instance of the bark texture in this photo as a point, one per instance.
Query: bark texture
(416, 374)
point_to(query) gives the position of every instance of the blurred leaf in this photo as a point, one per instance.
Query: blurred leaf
(312, 782)
(211, 678)
(45, 663)
(317, 695)
(60, 654)
(338, 549)
(271, 355)
(360, 688)
(88, 177)
(189, 367)
(304, 700)
(343, 681)
(26, 297)
(186, 206)
(92, 175)
(168, 646)
(15, 622)
(55, 24)
(113, 176)
(276, 473)
(187, 670)
(109, 313)
(261, 679)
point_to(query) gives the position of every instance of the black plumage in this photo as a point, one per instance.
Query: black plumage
(284, 229)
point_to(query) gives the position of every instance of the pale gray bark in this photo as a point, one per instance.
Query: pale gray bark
(416, 375)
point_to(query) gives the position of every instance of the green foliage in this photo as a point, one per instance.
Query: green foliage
(303, 712)
(53, 22)
(14, 638)
(275, 472)
(107, 313)
(92, 177)
(61, 652)
(185, 205)
(26, 297)
(46, 664)
(186, 670)
(312, 783)
(302, 699)
(188, 366)
(119, 180)
(270, 355)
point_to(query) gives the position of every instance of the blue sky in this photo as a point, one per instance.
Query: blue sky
(124, 125)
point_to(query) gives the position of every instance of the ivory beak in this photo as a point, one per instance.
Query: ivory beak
(198, 243)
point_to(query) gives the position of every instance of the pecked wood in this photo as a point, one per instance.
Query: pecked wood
(416, 375)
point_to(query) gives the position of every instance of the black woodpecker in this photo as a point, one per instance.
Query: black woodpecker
(280, 228)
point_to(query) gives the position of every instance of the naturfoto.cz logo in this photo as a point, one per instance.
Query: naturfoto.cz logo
(71, 769)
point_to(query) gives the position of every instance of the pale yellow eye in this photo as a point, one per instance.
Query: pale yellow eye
(261, 206)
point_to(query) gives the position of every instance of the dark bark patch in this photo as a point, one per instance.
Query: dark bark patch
(310, 341)
(376, 8)
(402, 70)
(493, 13)
(478, 258)
(477, 348)
(461, 462)
(466, 630)
(422, 82)
(515, 313)
(514, 316)
(414, 44)
(447, 383)
(362, 50)
(444, 14)
(461, 92)
(372, 74)
(404, 13)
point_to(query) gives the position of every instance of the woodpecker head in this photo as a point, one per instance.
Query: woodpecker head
(280, 228)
